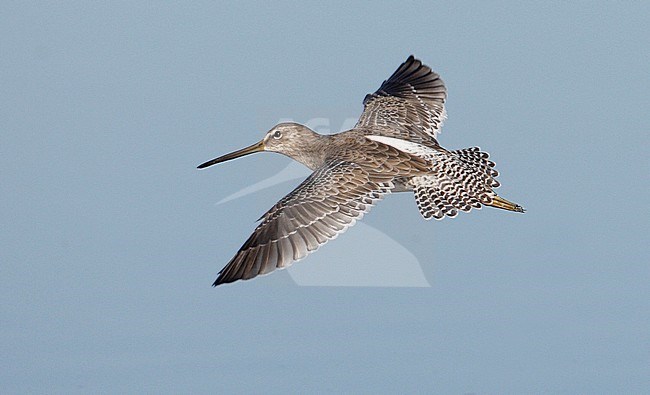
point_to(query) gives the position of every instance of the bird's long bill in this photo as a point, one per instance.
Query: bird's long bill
(257, 147)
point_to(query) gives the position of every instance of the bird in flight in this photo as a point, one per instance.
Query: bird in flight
(392, 148)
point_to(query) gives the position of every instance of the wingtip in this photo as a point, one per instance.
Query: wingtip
(412, 59)
(219, 280)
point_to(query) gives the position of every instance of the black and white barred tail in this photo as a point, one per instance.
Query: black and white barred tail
(461, 180)
(458, 180)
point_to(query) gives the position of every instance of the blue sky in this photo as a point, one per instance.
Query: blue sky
(111, 237)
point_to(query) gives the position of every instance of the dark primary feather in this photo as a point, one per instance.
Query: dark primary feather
(324, 205)
(411, 103)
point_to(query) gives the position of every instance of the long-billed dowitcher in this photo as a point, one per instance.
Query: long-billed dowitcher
(392, 148)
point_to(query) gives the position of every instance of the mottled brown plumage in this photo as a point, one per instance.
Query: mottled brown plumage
(393, 148)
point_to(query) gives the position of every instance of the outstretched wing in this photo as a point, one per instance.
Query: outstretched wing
(410, 104)
(328, 202)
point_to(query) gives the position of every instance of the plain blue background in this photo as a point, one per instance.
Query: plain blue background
(111, 238)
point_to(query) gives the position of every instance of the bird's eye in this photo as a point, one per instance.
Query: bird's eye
(277, 134)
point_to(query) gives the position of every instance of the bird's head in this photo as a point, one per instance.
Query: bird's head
(288, 138)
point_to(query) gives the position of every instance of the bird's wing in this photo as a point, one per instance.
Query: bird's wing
(328, 202)
(410, 104)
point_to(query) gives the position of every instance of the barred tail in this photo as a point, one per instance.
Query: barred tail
(460, 180)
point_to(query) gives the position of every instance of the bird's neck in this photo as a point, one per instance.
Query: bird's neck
(313, 153)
